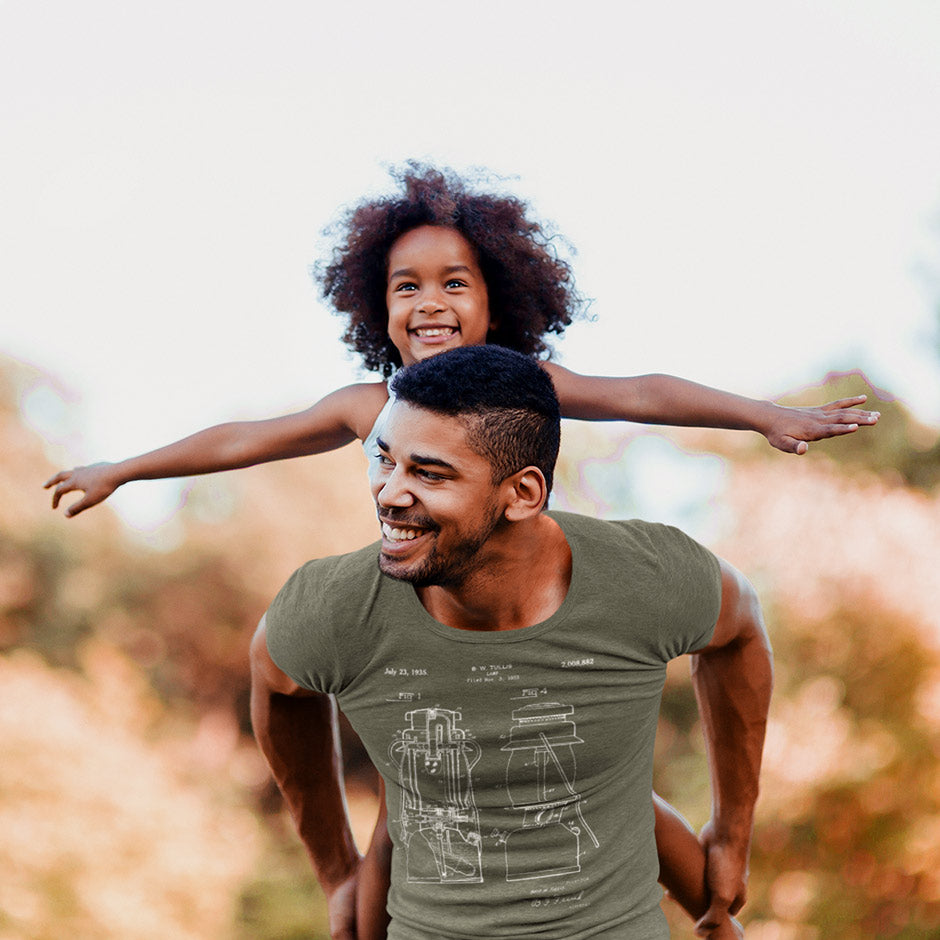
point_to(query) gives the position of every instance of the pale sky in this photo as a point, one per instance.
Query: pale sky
(753, 189)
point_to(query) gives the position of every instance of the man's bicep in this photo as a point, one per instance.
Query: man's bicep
(265, 673)
(739, 617)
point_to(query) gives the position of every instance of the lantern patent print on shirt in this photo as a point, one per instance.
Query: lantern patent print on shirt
(540, 777)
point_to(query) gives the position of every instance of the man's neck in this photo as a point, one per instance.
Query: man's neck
(523, 582)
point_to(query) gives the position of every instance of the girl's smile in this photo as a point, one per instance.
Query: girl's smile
(436, 294)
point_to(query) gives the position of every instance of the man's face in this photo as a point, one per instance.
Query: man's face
(435, 497)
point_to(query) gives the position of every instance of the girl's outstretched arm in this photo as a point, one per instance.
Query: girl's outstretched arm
(335, 420)
(665, 399)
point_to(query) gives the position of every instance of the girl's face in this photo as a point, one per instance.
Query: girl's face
(436, 295)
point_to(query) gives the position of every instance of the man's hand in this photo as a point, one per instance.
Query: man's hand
(791, 429)
(341, 908)
(97, 481)
(726, 872)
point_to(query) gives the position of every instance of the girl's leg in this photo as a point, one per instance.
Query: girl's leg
(682, 867)
(374, 880)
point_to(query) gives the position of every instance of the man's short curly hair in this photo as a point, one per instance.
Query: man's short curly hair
(531, 290)
(506, 401)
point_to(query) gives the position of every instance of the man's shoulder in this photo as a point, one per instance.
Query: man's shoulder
(348, 565)
(616, 531)
(317, 626)
(637, 542)
(330, 580)
(651, 568)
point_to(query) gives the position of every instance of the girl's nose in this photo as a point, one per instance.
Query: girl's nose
(431, 302)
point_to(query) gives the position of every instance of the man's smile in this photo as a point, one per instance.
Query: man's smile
(401, 535)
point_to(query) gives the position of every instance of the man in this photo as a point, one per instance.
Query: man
(503, 666)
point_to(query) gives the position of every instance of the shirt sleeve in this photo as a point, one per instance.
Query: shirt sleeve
(691, 591)
(298, 630)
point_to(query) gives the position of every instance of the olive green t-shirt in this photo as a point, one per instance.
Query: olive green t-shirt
(517, 764)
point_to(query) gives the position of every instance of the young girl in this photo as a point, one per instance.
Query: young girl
(432, 267)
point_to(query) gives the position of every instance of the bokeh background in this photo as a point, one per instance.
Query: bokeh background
(753, 194)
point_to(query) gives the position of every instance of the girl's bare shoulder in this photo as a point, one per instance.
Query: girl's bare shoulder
(565, 381)
(361, 404)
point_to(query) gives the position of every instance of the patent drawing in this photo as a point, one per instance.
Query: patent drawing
(540, 776)
(440, 826)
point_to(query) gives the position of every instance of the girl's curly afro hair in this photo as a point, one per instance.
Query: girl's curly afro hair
(531, 292)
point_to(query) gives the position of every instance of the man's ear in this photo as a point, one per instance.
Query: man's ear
(526, 493)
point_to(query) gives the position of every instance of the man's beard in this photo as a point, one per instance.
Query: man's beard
(445, 570)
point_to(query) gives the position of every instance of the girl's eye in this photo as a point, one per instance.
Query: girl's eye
(405, 286)
(454, 282)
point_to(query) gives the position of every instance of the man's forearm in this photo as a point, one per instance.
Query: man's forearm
(299, 738)
(733, 687)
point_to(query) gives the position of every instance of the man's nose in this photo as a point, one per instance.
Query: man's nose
(392, 490)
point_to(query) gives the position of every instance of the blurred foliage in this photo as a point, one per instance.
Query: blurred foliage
(282, 901)
(900, 447)
(848, 829)
(134, 803)
(133, 799)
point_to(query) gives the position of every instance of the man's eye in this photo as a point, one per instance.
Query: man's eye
(428, 475)
(383, 461)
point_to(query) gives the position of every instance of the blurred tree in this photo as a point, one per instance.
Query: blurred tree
(849, 828)
(174, 626)
(135, 685)
(899, 445)
(108, 833)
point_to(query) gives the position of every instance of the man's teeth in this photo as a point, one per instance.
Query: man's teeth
(399, 535)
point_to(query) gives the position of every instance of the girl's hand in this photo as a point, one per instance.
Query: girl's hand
(728, 929)
(726, 872)
(341, 908)
(791, 429)
(97, 481)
